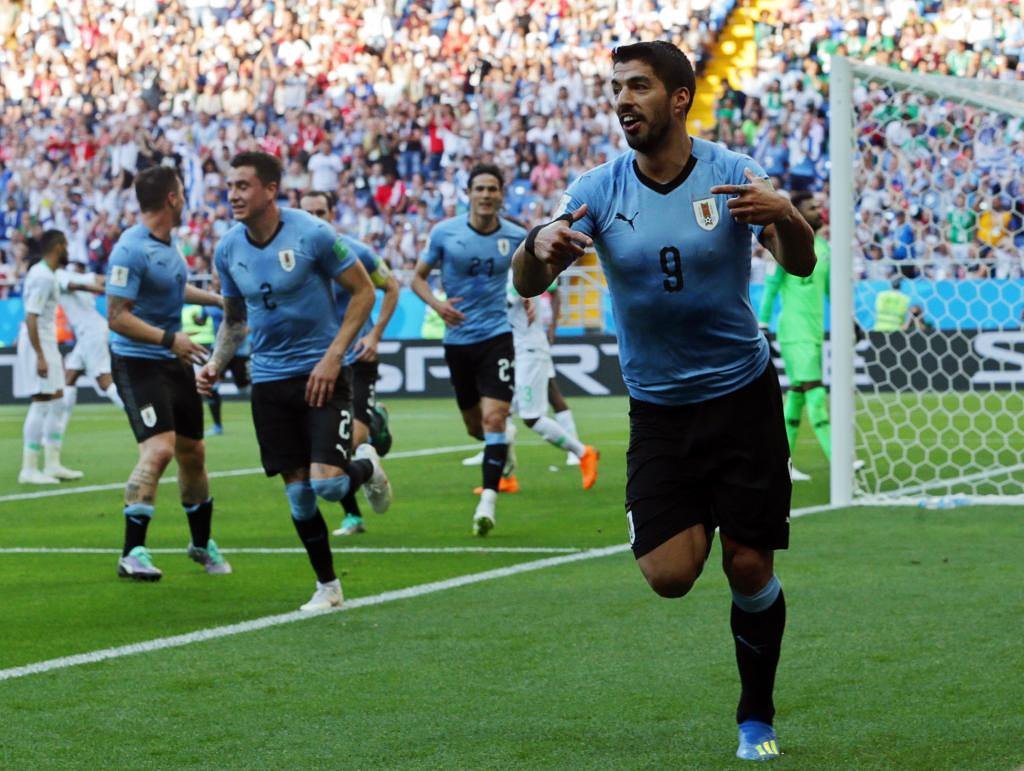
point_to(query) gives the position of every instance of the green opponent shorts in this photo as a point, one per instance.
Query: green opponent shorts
(803, 362)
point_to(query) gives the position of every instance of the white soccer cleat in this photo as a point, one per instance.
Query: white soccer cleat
(571, 460)
(474, 460)
(377, 487)
(483, 518)
(62, 473)
(796, 475)
(858, 465)
(33, 476)
(325, 597)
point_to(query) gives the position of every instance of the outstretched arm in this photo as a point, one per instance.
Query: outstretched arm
(196, 296)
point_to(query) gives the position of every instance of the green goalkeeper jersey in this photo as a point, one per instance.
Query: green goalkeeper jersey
(802, 319)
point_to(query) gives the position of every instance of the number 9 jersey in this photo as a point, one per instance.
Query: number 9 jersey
(474, 266)
(678, 272)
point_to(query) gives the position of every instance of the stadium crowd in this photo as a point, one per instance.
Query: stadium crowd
(387, 105)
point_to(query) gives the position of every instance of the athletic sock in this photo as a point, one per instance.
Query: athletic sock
(213, 400)
(794, 407)
(70, 399)
(112, 394)
(53, 434)
(32, 430)
(566, 421)
(758, 622)
(358, 472)
(351, 505)
(495, 455)
(313, 534)
(136, 522)
(554, 433)
(817, 411)
(199, 516)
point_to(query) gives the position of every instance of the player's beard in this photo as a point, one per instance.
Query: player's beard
(657, 131)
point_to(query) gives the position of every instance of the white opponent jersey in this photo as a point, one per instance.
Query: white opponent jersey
(80, 306)
(40, 296)
(529, 337)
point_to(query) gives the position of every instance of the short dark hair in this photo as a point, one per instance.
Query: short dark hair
(49, 240)
(267, 166)
(800, 196)
(325, 194)
(670, 65)
(153, 185)
(486, 168)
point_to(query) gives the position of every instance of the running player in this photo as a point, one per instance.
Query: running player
(672, 221)
(474, 252)
(276, 269)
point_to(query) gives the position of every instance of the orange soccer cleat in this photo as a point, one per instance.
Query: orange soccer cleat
(588, 466)
(507, 484)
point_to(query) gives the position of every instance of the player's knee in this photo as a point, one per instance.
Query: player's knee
(494, 422)
(817, 405)
(158, 456)
(671, 581)
(301, 500)
(332, 488)
(747, 569)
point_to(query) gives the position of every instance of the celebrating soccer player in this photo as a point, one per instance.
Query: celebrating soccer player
(152, 367)
(474, 252)
(276, 268)
(672, 223)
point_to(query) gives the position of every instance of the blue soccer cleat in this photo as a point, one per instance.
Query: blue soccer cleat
(757, 741)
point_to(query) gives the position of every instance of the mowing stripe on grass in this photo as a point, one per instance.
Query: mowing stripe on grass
(361, 602)
(335, 549)
(288, 618)
(238, 472)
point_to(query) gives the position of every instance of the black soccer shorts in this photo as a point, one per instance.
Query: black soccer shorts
(720, 463)
(482, 369)
(291, 434)
(159, 395)
(364, 390)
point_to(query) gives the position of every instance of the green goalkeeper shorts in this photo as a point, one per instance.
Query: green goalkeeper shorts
(803, 362)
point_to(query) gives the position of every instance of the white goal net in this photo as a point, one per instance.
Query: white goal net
(927, 288)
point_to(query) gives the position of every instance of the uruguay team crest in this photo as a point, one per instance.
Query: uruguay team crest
(148, 415)
(706, 211)
(504, 246)
(287, 259)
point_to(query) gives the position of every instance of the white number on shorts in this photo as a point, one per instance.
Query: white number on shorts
(344, 432)
(503, 370)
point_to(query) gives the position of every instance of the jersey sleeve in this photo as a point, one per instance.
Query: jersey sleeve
(34, 294)
(374, 264)
(585, 190)
(228, 287)
(333, 255)
(124, 272)
(435, 247)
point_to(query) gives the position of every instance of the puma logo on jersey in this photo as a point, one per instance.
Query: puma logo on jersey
(628, 220)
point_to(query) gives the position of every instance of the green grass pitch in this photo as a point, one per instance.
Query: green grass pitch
(902, 648)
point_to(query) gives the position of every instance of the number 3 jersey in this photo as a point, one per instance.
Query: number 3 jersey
(678, 270)
(474, 266)
(288, 292)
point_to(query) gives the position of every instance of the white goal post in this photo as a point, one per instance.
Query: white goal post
(927, 188)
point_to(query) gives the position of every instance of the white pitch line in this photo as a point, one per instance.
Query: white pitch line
(335, 549)
(266, 622)
(238, 472)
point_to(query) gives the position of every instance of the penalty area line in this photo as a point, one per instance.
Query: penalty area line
(177, 641)
(238, 472)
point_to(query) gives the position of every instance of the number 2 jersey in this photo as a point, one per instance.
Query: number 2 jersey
(474, 266)
(678, 270)
(287, 285)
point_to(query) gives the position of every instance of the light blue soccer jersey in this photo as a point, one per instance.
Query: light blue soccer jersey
(379, 273)
(152, 273)
(474, 266)
(286, 284)
(678, 269)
